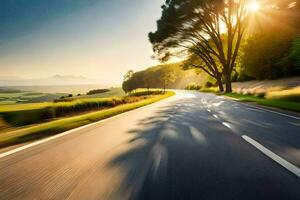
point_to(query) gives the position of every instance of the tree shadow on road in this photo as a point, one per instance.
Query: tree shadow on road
(182, 152)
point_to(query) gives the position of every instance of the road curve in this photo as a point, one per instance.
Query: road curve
(190, 146)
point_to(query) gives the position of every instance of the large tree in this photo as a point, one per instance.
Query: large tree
(209, 30)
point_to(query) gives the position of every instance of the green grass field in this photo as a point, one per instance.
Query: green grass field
(114, 92)
(57, 126)
(13, 97)
(282, 104)
(17, 115)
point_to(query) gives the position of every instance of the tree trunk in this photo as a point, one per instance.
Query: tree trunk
(220, 84)
(148, 91)
(228, 85)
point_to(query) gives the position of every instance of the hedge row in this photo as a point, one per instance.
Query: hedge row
(56, 110)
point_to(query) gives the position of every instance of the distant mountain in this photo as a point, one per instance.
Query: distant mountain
(52, 80)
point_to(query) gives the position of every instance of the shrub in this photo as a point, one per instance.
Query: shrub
(145, 92)
(97, 91)
(193, 86)
(208, 84)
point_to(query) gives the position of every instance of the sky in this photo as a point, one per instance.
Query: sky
(98, 39)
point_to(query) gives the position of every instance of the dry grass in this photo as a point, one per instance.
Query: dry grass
(292, 94)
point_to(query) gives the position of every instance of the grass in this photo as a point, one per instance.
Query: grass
(292, 94)
(14, 98)
(58, 126)
(277, 97)
(113, 92)
(210, 90)
(276, 103)
(27, 114)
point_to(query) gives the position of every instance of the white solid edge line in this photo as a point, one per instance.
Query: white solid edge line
(53, 137)
(13, 151)
(272, 111)
(216, 116)
(226, 124)
(289, 166)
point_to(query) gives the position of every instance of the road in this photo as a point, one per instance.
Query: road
(190, 146)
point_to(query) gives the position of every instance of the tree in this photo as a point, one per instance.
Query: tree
(127, 86)
(167, 78)
(210, 31)
(271, 51)
(128, 75)
(148, 81)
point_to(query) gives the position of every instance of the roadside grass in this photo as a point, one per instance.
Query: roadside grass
(277, 97)
(27, 114)
(58, 126)
(292, 94)
(276, 103)
(210, 90)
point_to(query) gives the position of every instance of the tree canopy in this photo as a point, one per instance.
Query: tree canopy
(212, 31)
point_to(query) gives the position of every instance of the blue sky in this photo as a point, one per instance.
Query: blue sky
(100, 39)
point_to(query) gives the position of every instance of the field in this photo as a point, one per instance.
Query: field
(26, 97)
(14, 135)
(13, 96)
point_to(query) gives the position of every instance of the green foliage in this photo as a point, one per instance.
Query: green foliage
(287, 105)
(97, 91)
(161, 76)
(193, 86)
(272, 50)
(146, 92)
(208, 84)
(210, 90)
(294, 57)
(264, 56)
(194, 28)
(168, 77)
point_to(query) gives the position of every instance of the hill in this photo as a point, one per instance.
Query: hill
(152, 77)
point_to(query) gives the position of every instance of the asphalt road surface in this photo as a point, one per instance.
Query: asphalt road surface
(190, 146)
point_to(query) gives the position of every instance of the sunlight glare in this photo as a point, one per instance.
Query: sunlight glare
(253, 6)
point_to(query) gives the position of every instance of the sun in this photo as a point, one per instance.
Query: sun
(253, 6)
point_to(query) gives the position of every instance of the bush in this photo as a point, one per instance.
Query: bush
(210, 90)
(145, 92)
(25, 117)
(208, 84)
(193, 86)
(64, 99)
(97, 91)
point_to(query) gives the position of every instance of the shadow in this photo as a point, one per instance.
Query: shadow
(182, 152)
